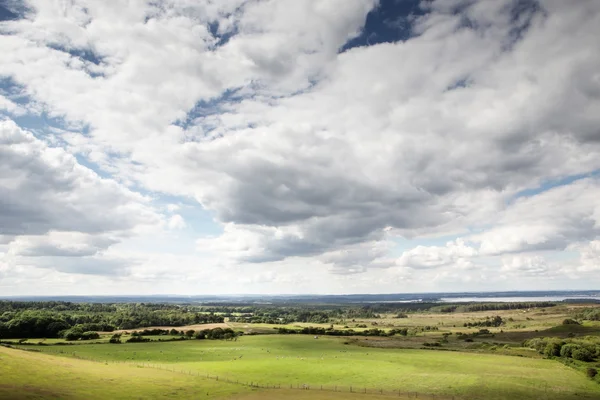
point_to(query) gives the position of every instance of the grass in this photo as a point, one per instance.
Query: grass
(485, 367)
(32, 375)
(28, 375)
(300, 359)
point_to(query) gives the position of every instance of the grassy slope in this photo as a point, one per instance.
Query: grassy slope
(30, 375)
(300, 359)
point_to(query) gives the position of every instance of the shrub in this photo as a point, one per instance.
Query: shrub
(137, 339)
(568, 349)
(73, 334)
(552, 349)
(591, 372)
(582, 355)
(90, 335)
(570, 321)
(116, 338)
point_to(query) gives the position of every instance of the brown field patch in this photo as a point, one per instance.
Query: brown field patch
(196, 327)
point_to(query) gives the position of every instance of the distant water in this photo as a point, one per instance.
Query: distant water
(513, 299)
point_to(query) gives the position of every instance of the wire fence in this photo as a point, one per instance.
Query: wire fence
(411, 394)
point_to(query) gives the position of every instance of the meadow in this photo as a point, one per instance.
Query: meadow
(439, 358)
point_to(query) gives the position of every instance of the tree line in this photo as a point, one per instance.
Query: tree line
(346, 332)
(57, 319)
(475, 307)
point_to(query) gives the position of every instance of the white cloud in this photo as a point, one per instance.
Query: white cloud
(548, 221)
(10, 106)
(45, 188)
(60, 244)
(589, 257)
(176, 222)
(525, 265)
(424, 257)
(303, 152)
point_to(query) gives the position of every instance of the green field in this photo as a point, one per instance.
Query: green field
(297, 360)
(437, 357)
(28, 375)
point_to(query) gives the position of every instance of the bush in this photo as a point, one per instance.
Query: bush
(552, 349)
(90, 335)
(568, 349)
(116, 338)
(570, 321)
(591, 372)
(72, 334)
(137, 339)
(582, 355)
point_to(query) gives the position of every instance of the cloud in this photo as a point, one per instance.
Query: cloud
(525, 265)
(398, 148)
(299, 149)
(60, 244)
(44, 188)
(551, 220)
(426, 257)
(84, 265)
(589, 256)
(176, 222)
(10, 106)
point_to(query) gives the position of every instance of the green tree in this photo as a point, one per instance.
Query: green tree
(90, 335)
(583, 354)
(567, 350)
(552, 349)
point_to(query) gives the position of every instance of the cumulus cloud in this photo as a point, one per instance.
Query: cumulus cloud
(425, 257)
(60, 244)
(176, 222)
(44, 188)
(303, 148)
(589, 256)
(10, 106)
(525, 265)
(548, 221)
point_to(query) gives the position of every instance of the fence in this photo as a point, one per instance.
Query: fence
(295, 386)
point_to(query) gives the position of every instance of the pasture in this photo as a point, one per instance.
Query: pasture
(296, 360)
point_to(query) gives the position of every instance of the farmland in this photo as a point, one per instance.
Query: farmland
(434, 355)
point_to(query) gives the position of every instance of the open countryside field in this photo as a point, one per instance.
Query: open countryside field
(29, 375)
(425, 353)
(303, 360)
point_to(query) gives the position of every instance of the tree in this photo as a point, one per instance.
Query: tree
(73, 334)
(190, 333)
(552, 349)
(582, 354)
(116, 338)
(90, 335)
(567, 350)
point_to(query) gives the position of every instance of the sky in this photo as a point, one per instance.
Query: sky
(298, 146)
